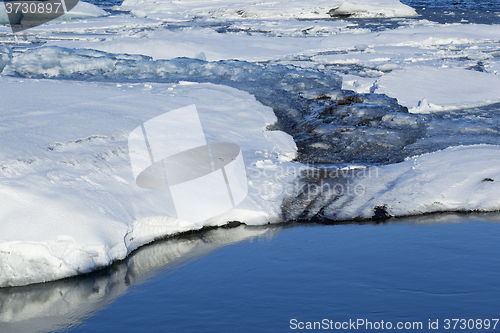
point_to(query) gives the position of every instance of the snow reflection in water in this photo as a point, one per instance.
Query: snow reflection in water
(56, 305)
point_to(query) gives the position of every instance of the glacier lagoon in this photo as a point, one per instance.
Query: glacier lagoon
(321, 78)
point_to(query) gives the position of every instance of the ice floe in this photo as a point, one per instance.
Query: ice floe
(440, 88)
(251, 9)
(378, 8)
(468, 181)
(73, 205)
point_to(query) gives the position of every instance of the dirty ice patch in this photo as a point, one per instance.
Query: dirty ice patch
(70, 203)
(464, 178)
(426, 89)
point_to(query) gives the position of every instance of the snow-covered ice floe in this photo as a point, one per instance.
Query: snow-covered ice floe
(73, 207)
(251, 9)
(67, 188)
(467, 181)
(83, 10)
(426, 89)
(377, 8)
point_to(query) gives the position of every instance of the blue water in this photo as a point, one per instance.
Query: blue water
(455, 4)
(406, 271)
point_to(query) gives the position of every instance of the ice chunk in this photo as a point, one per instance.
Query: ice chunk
(165, 44)
(67, 302)
(56, 62)
(66, 182)
(83, 10)
(426, 89)
(179, 10)
(378, 8)
(5, 56)
(4, 18)
(463, 178)
(358, 84)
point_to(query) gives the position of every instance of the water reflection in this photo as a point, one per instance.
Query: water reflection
(63, 304)
(447, 218)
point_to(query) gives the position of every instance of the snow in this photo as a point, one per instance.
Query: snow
(358, 84)
(63, 162)
(422, 184)
(83, 10)
(67, 179)
(251, 9)
(426, 89)
(215, 46)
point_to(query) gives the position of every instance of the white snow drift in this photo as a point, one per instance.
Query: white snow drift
(251, 9)
(426, 89)
(468, 180)
(70, 204)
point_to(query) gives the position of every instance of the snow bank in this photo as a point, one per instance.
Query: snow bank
(426, 89)
(272, 40)
(251, 9)
(71, 204)
(463, 178)
(454, 179)
(368, 9)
